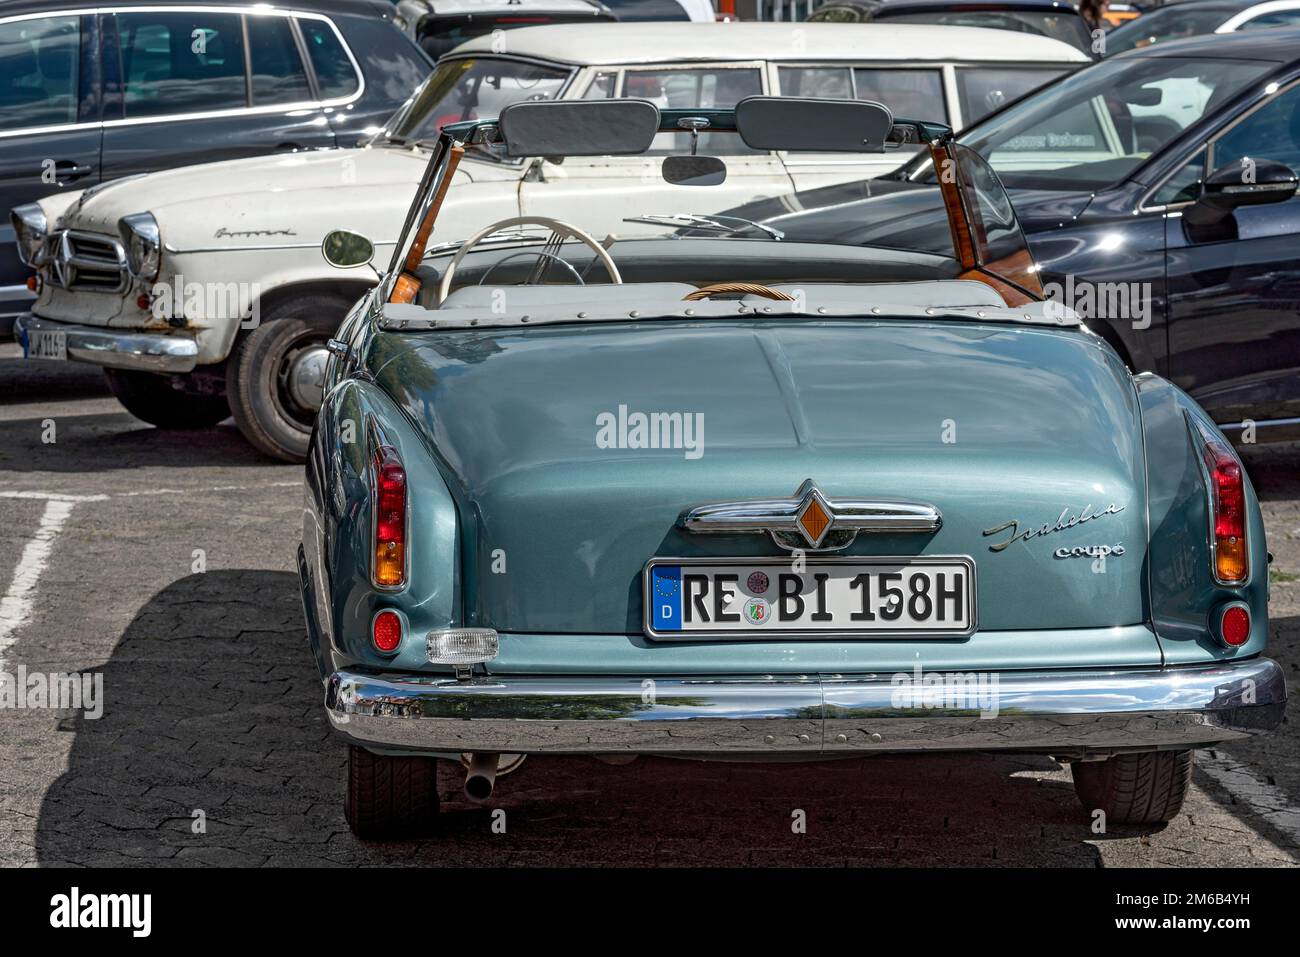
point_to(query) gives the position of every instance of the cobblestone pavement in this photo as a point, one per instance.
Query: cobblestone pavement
(213, 706)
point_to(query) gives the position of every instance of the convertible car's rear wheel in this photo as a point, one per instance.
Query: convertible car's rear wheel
(390, 797)
(152, 398)
(1144, 788)
(275, 376)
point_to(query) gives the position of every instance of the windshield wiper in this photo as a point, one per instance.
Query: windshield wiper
(713, 221)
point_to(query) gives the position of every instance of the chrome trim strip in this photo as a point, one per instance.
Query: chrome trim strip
(119, 349)
(883, 634)
(780, 518)
(1068, 713)
(243, 249)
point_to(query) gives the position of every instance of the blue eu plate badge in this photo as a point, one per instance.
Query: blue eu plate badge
(666, 597)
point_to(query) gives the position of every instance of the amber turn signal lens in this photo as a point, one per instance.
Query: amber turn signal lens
(1228, 521)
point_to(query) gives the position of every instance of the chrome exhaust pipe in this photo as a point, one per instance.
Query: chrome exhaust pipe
(480, 776)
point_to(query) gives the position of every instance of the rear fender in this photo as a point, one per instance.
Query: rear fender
(337, 536)
(1183, 592)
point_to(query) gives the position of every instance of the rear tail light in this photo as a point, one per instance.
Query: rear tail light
(1228, 514)
(389, 570)
(386, 631)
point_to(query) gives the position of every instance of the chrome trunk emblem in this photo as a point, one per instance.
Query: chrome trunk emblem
(809, 520)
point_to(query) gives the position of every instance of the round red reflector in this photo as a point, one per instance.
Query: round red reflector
(143, 302)
(387, 631)
(1235, 626)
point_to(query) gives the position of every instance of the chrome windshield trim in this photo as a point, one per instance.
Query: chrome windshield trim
(780, 517)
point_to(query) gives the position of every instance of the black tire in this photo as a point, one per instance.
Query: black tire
(152, 398)
(1146, 788)
(264, 410)
(390, 797)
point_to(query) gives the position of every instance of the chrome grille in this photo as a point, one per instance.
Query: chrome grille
(84, 262)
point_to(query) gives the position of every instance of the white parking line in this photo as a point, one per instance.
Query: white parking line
(16, 605)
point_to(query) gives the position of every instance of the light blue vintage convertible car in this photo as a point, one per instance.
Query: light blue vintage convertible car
(684, 493)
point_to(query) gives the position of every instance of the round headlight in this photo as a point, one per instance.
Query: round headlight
(30, 228)
(140, 238)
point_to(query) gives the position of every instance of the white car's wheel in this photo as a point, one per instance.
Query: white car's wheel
(275, 376)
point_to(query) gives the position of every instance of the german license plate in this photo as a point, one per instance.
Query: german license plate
(47, 344)
(876, 597)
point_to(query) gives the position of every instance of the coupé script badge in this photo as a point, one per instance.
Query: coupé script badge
(1063, 522)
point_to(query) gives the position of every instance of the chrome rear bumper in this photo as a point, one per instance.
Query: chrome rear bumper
(121, 349)
(1065, 713)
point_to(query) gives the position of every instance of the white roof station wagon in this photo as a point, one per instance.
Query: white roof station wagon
(221, 302)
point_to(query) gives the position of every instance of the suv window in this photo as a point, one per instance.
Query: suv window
(278, 74)
(334, 72)
(181, 62)
(1272, 132)
(38, 72)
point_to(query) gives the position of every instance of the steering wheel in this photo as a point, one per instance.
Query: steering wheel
(560, 231)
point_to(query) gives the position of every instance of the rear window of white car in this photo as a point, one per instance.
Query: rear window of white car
(981, 90)
(915, 93)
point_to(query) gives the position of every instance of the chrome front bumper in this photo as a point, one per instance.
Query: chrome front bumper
(1065, 713)
(121, 349)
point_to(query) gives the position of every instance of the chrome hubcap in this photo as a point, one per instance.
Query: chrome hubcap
(307, 377)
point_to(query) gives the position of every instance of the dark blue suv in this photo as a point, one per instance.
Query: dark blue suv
(91, 95)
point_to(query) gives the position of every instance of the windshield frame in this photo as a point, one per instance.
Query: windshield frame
(386, 137)
(968, 219)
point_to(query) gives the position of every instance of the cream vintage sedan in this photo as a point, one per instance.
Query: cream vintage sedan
(203, 291)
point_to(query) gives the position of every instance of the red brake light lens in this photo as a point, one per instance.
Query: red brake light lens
(1228, 521)
(387, 631)
(1234, 627)
(390, 519)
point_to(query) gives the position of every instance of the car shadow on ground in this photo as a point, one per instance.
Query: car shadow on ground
(114, 441)
(98, 441)
(213, 749)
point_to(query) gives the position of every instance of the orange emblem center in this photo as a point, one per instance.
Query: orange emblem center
(814, 520)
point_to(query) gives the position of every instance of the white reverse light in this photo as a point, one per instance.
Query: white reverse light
(463, 646)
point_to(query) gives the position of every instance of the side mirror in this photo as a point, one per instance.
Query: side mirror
(694, 170)
(347, 250)
(1233, 185)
